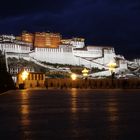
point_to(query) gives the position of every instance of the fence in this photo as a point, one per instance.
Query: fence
(93, 83)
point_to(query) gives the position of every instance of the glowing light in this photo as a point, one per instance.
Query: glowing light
(73, 76)
(24, 75)
(85, 72)
(112, 66)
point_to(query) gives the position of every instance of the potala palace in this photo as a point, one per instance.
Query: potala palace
(71, 51)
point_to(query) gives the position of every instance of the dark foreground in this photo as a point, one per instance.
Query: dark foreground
(70, 115)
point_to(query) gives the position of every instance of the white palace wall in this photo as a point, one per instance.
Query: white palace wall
(14, 48)
(90, 57)
(73, 57)
(54, 56)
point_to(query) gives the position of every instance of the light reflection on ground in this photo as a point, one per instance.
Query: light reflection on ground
(25, 111)
(113, 115)
(70, 114)
(74, 100)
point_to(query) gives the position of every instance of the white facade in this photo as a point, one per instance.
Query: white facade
(54, 55)
(89, 56)
(74, 53)
(137, 61)
(75, 42)
(78, 42)
(14, 48)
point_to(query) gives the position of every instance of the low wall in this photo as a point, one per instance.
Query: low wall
(93, 83)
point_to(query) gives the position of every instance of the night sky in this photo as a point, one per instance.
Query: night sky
(101, 22)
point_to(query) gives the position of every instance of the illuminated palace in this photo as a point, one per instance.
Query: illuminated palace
(41, 40)
(50, 47)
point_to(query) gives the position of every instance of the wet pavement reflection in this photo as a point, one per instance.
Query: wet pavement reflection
(70, 114)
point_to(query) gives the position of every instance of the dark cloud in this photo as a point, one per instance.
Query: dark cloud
(102, 22)
(18, 7)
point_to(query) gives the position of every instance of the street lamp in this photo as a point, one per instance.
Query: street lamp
(73, 76)
(112, 66)
(85, 72)
(24, 75)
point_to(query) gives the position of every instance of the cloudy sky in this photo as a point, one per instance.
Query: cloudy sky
(101, 22)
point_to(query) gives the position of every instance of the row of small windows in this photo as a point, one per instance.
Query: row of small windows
(49, 50)
(35, 76)
(16, 70)
(87, 52)
(9, 46)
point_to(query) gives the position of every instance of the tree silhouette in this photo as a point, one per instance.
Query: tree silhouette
(6, 82)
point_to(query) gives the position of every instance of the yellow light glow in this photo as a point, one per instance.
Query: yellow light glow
(112, 66)
(85, 72)
(24, 75)
(73, 76)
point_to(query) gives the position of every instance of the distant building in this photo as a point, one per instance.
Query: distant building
(40, 40)
(14, 70)
(75, 42)
(78, 42)
(7, 38)
(27, 37)
(49, 47)
(137, 61)
(55, 40)
(66, 41)
(9, 44)
(34, 79)
(18, 38)
(47, 40)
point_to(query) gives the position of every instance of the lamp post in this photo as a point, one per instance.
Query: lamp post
(24, 76)
(112, 66)
(73, 76)
(85, 75)
(85, 72)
